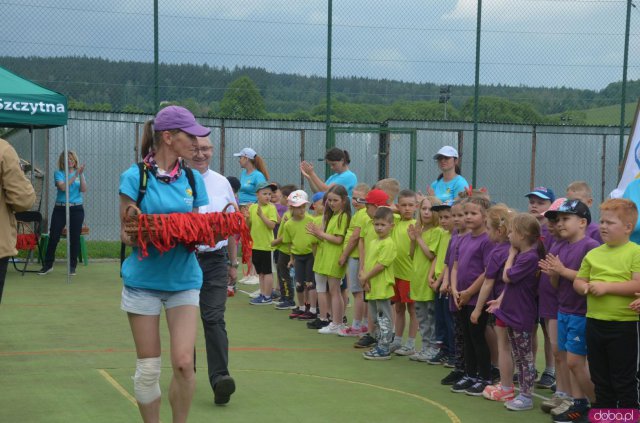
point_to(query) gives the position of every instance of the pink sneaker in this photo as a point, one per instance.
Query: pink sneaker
(349, 331)
(496, 393)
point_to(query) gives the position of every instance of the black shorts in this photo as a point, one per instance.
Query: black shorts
(261, 260)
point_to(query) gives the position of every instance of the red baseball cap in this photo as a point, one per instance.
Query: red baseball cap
(377, 197)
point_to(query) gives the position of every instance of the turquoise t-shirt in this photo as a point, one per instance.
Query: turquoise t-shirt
(633, 193)
(347, 179)
(447, 192)
(75, 196)
(248, 184)
(177, 269)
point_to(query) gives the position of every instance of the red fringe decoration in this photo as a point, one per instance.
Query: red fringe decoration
(165, 231)
(26, 242)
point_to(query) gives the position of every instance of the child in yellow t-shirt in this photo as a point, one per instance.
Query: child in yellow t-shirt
(610, 276)
(425, 238)
(351, 255)
(302, 245)
(262, 218)
(403, 272)
(378, 280)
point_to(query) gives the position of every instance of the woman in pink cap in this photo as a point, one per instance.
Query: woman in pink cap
(172, 279)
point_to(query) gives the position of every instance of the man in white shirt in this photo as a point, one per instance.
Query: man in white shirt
(219, 263)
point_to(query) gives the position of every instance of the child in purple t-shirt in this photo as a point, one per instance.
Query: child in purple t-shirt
(518, 310)
(562, 265)
(498, 218)
(469, 263)
(580, 190)
(459, 230)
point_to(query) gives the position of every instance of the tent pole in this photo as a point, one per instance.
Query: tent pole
(66, 194)
(33, 166)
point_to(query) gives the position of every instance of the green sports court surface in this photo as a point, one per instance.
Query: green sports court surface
(66, 355)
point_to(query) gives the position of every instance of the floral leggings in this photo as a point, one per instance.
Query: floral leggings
(521, 347)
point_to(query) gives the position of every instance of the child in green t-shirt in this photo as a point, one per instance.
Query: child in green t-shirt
(302, 247)
(262, 218)
(378, 281)
(610, 276)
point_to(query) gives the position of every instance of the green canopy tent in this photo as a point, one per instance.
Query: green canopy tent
(25, 104)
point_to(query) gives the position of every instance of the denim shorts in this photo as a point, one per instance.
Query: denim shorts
(149, 302)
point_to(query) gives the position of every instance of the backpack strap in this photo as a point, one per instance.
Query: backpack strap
(192, 181)
(142, 190)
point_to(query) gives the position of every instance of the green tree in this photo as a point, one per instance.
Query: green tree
(496, 109)
(243, 100)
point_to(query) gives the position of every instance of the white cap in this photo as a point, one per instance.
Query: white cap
(446, 151)
(247, 152)
(297, 198)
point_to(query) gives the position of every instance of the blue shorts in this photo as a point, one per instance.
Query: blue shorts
(149, 302)
(572, 334)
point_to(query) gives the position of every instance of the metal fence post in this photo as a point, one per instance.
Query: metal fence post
(413, 160)
(156, 59)
(328, 140)
(604, 167)
(222, 146)
(534, 142)
(476, 95)
(302, 141)
(623, 98)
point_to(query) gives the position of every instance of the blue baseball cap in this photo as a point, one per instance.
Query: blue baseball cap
(317, 196)
(544, 193)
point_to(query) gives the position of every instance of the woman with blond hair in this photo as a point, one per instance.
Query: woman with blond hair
(76, 184)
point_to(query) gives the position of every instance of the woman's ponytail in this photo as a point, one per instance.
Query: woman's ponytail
(347, 159)
(261, 166)
(147, 142)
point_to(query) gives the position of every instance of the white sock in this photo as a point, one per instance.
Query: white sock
(312, 310)
(356, 324)
(411, 343)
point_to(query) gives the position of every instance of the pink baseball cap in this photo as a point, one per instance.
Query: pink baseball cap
(176, 117)
(554, 206)
(297, 198)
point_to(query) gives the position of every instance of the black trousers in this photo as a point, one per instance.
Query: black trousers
(213, 298)
(4, 263)
(284, 277)
(477, 358)
(58, 222)
(613, 362)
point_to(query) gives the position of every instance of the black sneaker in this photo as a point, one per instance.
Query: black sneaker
(223, 389)
(450, 362)
(344, 320)
(438, 359)
(573, 414)
(477, 388)
(45, 270)
(453, 377)
(295, 313)
(462, 385)
(285, 305)
(366, 341)
(495, 375)
(317, 324)
(546, 381)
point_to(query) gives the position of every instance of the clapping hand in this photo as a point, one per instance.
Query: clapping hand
(412, 231)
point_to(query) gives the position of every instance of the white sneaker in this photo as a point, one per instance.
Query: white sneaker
(331, 329)
(405, 351)
(255, 294)
(432, 352)
(251, 280)
(420, 356)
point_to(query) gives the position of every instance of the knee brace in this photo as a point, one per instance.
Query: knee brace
(146, 382)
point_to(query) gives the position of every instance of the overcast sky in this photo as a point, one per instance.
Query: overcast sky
(575, 43)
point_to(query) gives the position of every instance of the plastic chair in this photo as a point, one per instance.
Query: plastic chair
(82, 254)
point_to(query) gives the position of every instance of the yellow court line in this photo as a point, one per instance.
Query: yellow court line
(452, 416)
(118, 387)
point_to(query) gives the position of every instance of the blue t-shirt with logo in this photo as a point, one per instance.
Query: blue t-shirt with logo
(347, 179)
(632, 192)
(248, 184)
(75, 196)
(177, 269)
(447, 192)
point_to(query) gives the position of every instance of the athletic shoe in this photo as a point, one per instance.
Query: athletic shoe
(331, 329)
(497, 393)
(317, 324)
(349, 331)
(563, 407)
(572, 414)
(275, 294)
(519, 403)
(477, 388)
(432, 351)
(255, 294)
(261, 300)
(551, 403)
(450, 363)
(438, 359)
(365, 341)
(546, 381)
(250, 280)
(377, 353)
(295, 313)
(285, 305)
(230, 291)
(307, 315)
(405, 351)
(223, 389)
(452, 378)
(45, 270)
(420, 356)
(72, 271)
(462, 385)
(394, 346)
